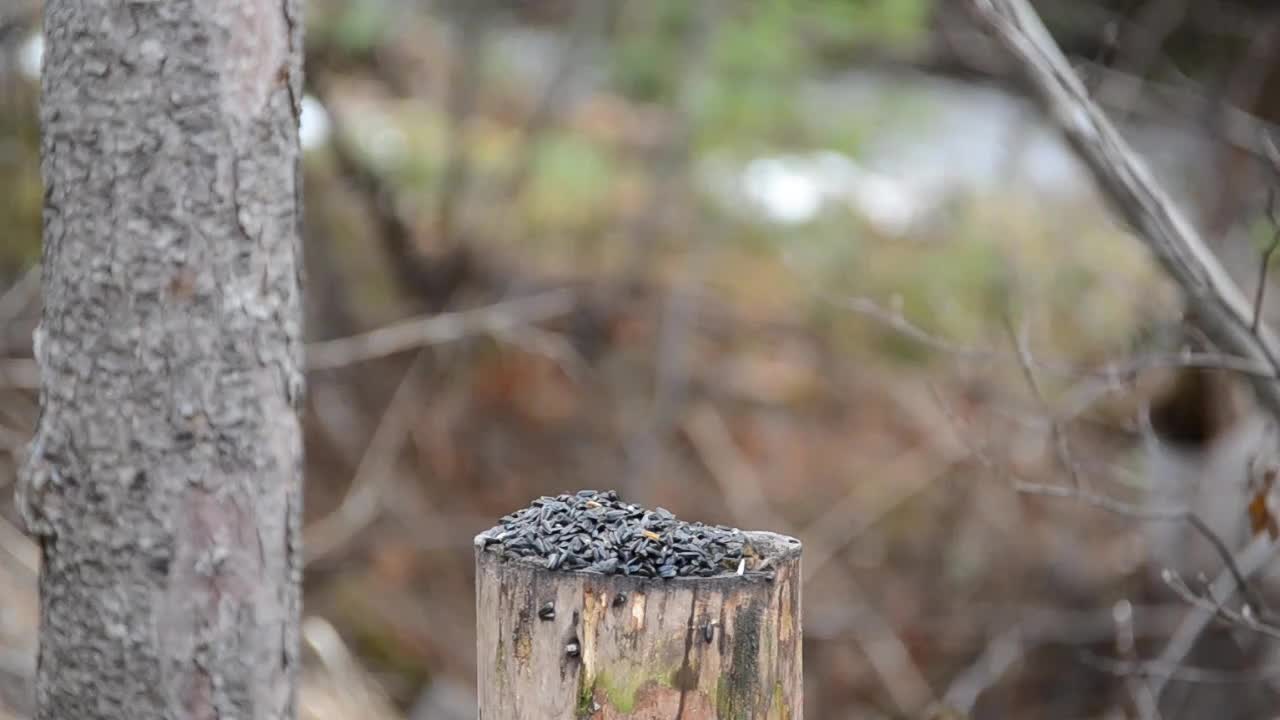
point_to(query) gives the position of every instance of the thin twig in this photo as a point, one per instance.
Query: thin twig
(12, 441)
(19, 373)
(502, 318)
(1140, 47)
(859, 510)
(1061, 443)
(1265, 266)
(511, 320)
(671, 373)
(1143, 699)
(969, 57)
(1102, 502)
(1273, 158)
(20, 547)
(464, 88)
(352, 690)
(1127, 369)
(666, 165)
(552, 346)
(895, 320)
(1182, 673)
(1244, 618)
(740, 486)
(1113, 376)
(1037, 627)
(885, 650)
(1125, 181)
(361, 504)
(1249, 561)
(589, 16)
(1119, 507)
(15, 300)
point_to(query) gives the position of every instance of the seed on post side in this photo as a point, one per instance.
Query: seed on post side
(620, 599)
(572, 649)
(708, 631)
(547, 611)
(607, 566)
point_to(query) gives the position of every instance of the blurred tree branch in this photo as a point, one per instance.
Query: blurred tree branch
(590, 18)
(1219, 305)
(1250, 560)
(956, 50)
(464, 88)
(500, 319)
(18, 15)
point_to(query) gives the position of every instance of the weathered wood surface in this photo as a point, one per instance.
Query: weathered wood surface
(618, 647)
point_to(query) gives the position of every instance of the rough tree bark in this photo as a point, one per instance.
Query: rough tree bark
(164, 481)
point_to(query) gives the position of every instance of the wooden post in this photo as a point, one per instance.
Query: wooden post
(558, 644)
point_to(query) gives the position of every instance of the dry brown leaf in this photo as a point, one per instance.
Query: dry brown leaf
(1260, 514)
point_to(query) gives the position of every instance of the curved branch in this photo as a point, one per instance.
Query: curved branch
(1224, 312)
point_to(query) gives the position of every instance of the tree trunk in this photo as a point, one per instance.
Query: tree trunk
(164, 481)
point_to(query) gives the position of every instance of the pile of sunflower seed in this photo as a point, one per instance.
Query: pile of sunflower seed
(596, 532)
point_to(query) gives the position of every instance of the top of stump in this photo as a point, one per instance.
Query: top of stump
(595, 532)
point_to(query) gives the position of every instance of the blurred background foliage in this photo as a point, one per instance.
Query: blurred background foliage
(802, 237)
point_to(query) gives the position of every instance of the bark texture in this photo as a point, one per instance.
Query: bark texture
(630, 648)
(164, 482)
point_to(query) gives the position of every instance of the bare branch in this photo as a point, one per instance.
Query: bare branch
(464, 87)
(348, 688)
(1140, 47)
(1111, 372)
(1249, 561)
(1244, 618)
(19, 295)
(510, 320)
(362, 501)
(884, 648)
(896, 321)
(1101, 502)
(1184, 673)
(1273, 155)
(1036, 627)
(1061, 443)
(860, 510)
(498, 319)
(1143, 699)
(21, 373)
(590, 17)
(1126, 182)
(20, 547)
(1120, 507)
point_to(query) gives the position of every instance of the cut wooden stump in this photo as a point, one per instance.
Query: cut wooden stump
(577, 644)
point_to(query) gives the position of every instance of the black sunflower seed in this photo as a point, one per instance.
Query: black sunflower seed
(595, 532)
